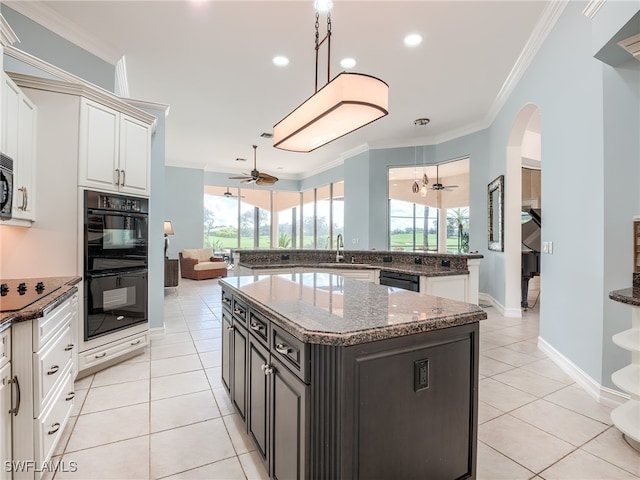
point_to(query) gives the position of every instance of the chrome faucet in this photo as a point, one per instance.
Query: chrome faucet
(340, 245)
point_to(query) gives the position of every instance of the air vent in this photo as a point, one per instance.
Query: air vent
(632, 45)
(266, 135)
(241, 159)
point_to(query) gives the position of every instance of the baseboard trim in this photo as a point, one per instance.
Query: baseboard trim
(603, 395)
(157, 331)
(505, 312)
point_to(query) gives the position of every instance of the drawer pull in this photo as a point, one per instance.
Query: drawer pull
(226, 300)
(100, 355)
(56, 427)
(256, 326)
(282, 348)
(238, 311)
(136, 342)
(69, 347)
(70, 396)
(230, 328)
(266, 369)
(54, 369)
(16, 409)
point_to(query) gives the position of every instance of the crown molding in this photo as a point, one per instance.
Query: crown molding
(7, 35)
(548, 19)
(41, 65)
(592, 8)
(82, 89)
(122, 80)
(40, 13)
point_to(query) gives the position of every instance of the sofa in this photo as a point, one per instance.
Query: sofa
(201, 264)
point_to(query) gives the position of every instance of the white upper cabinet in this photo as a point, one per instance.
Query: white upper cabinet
(114, 149)
(19, 119)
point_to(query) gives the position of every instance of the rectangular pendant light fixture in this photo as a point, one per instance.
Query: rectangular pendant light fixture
(348, 102)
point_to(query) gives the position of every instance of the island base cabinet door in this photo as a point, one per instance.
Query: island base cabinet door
(258, 396)
(290, 427)
(227, 354)
(238, 371)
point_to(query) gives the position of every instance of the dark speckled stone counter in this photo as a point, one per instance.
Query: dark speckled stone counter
(625, 296)
(327, 309)
(65, 287)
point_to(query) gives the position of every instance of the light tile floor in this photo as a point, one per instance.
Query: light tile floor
(165, 414)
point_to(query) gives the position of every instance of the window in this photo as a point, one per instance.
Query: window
(337, 210)
(323, 217)
(412, 226)
(307, 238)
(286, 210)
(221, 218)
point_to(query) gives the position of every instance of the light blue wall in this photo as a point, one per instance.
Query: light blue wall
(184, 207)
(52, 48)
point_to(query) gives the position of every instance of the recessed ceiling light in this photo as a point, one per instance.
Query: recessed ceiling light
(280, 61)
(413, 40)
(347, 62)
(419, 122)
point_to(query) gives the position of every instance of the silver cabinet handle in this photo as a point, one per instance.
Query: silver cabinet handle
(54, 369)
(117, 176)
(26, 198)
(123, 177)
(136, 342)
(256, 326)
(68, 347)
(23, 204)
(238, 311)
(266, 369)
(16, 409)
(70, 396)
(230, 328)
(282, 348)
(100, 355)
(55, 427)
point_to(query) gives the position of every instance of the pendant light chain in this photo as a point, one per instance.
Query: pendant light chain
(318, 44)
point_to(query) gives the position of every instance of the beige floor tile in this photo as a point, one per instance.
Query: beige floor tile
(64, 438)
(529, 382)
(502, 396)
(178, 384)
(207, 324)
(83, 383)
(109, 426)
(492, 465)
(253, 466)
(176, 327)
(224, 402)
(229, 469)
(238, 433)
(584, 466)
(206, 333)
(528, 347)
(610, 446)
(183, 410)
(486, 412)
(511, 357)
(215, 377)
(128, 459)
(523, 443)
(211, 359)
(565, 424)
(173, 350)
(121, 373)
(173, 365)
(169, 338)
(114, 396)
(78, 401)
(208, 345)
(547, 368)
(575, 398)
(522, 332)
(192, 446)
(489, 367)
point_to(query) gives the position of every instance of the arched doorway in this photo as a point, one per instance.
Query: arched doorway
(523, 148)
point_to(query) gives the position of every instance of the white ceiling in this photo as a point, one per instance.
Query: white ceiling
(211, 62)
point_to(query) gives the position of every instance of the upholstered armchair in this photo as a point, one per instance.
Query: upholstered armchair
(200, 264)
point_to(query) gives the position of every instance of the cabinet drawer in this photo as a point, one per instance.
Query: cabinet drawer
(49, 365)
(50, 425)
(45, 328)
(115, 349)
(259, 327)
(240, 310)
(5, 347)
(291, 351)
(226, 299)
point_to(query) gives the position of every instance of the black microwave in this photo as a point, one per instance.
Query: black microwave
(6, 186)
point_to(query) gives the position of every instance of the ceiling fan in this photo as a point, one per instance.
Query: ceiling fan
(439, 186)
(259, 178)
(228, 194)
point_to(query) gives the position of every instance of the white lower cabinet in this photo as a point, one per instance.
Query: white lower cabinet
(111, 352)
(42, 362)
(453, 287)
(5, 404)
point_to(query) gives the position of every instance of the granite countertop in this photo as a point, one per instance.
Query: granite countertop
(625, 296)
(424, 270)
(328, 309)
(64, 288)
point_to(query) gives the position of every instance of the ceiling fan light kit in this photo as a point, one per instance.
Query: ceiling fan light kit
(348, 102)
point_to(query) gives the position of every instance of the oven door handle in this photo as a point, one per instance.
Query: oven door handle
(117, 213)
(119, 272)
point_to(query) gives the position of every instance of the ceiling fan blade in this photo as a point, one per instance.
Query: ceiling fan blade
(266, 181)
(248, 180)
(267, 176)
(240, 178)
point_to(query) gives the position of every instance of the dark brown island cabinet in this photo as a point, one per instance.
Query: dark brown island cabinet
(337, 378)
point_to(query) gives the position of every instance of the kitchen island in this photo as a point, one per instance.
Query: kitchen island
(344, 379)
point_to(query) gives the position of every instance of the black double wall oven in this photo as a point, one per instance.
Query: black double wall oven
(115, 262)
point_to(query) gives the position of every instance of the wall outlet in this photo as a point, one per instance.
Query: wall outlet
(547, 247)
(284, 257)
(420, 374)
(418, 261)
(387, 258)
(445, 262)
